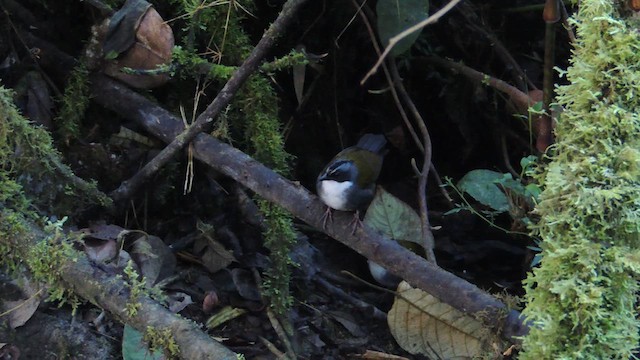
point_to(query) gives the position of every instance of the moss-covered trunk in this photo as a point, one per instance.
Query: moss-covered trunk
(582, 300)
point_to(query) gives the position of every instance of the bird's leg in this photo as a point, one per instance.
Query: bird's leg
(328, 216)
(356, 222)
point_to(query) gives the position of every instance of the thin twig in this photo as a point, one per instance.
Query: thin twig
(506, 158)
(394, 93)
(274, 349)
(423, 175)
(521, 100)
(287, 14)
(394, 40)
(282, 334)
(396, 99)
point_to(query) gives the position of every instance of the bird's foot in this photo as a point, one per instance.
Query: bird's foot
(327, 217)
(356, 223)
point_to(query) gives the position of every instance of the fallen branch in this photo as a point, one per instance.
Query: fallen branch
(301, 203)
(112, 294)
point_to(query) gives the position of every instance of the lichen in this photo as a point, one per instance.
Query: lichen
(582, 299)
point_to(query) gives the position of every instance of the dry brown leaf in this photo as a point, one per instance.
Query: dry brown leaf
(22, 308)
(217, 257)
(422, 324)
(153, 256)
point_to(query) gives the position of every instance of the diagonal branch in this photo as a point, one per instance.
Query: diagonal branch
(301, 203)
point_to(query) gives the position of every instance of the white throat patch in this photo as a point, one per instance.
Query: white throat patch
(334, 193)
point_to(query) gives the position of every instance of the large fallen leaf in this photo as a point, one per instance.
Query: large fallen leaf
(393, 218)
(153, 256)
(421, 324)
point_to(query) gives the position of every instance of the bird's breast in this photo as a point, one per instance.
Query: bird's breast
(335, 194)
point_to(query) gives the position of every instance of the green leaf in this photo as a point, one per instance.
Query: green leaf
(533, 191)
(395, 16)
(393, 218)
(134, 347)
(528, 161)
(508, 182)
(537, 108)
(482, 185)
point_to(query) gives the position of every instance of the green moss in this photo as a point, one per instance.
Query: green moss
(32, 177)
(260, 106)
(12, 231)
(44, 261)
(278, 238)
(263, 136)
(47, 259)
(216, 29)
(253, 116)
(288, 61)
(74, 104)
(582, 298)
(31, 169)
(189, 64)
(162, 339)
(136, 287)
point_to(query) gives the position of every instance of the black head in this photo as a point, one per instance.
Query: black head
(341, 170)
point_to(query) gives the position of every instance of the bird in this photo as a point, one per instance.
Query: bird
(348, 181)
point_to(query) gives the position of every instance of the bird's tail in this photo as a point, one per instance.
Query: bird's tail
(372, 142)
